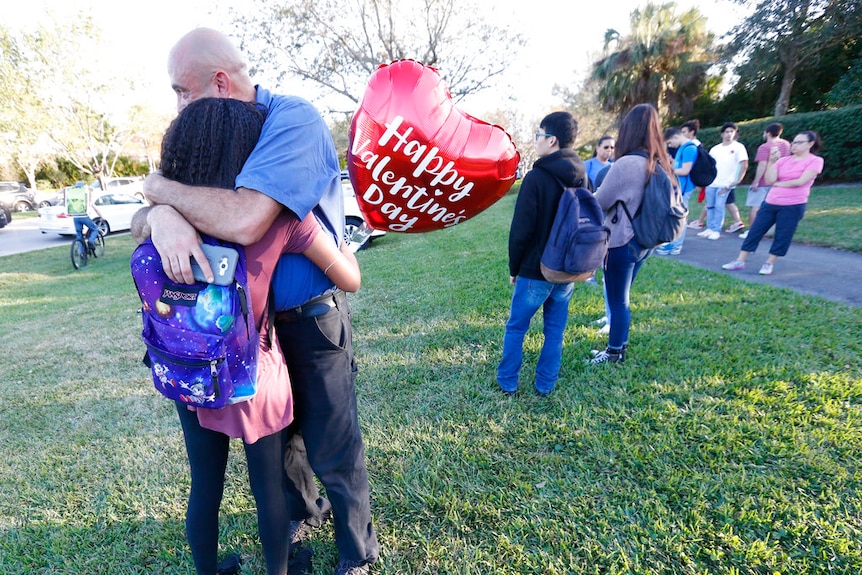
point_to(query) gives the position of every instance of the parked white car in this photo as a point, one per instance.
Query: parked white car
(117, 210)
(131, 185)
(353, 218)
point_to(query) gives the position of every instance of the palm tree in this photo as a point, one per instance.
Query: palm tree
(663, 61)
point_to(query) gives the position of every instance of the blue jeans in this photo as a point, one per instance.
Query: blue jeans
(93, 229)
(621, 269)
(677, 244)
(528, 297)
(715, 202)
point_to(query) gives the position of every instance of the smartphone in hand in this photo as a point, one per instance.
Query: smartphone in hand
(222, 260)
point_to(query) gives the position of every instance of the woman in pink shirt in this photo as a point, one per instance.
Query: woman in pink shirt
(791, 178)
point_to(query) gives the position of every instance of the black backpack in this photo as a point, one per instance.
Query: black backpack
(579, 238)
(662, 215)
(703, 170)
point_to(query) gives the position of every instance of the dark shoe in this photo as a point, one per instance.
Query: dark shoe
(508, 393)
(609, 356)
(351, 568)
(230, 565)
(300, 531)
(301, 562)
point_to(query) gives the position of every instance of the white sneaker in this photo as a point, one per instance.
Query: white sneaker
(743, 235)
(704, 233)
(605, 329)
(713, 235)
(695, 225)
(602, 320)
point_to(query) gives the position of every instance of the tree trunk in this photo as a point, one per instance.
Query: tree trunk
(783, 102)
(790, 60)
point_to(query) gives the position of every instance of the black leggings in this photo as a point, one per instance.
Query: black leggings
(208, 452)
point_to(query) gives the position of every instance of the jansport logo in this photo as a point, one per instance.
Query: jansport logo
(179, 295)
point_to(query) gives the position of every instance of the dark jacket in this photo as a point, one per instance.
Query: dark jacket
(536, 207)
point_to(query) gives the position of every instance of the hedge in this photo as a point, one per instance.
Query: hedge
(840, 130)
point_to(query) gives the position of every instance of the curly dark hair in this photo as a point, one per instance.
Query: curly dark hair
(210, 140)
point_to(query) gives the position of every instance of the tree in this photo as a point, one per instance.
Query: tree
(338, 44)
(663, 61)
(52, 112)
(593, 121)
(782, 35)
(23, 121)
(848, 90)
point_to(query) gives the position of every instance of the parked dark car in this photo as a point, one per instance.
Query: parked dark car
(16, 196)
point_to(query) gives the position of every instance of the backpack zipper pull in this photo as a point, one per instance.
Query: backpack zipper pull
(214, 376)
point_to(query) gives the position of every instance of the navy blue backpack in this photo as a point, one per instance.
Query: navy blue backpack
(579, 238)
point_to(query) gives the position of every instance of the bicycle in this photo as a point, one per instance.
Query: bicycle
(81, 249)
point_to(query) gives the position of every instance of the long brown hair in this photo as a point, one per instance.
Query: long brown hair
(640, 130)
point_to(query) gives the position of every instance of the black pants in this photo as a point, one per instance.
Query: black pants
(319, 355)
(208, 452)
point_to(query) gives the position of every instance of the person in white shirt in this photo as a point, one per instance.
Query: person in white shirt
(731, 162)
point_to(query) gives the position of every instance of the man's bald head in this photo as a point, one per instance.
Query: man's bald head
(205, 63)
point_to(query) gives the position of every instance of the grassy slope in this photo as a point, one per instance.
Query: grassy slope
(729, 443)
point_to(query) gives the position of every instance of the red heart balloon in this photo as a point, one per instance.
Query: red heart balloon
(418, 163)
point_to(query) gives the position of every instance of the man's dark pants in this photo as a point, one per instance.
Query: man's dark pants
(319, 355)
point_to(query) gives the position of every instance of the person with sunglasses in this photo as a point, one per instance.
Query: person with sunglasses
(602, 158)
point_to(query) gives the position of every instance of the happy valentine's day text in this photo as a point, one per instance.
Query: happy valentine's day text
(414, 197)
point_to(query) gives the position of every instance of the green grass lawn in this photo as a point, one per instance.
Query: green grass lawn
(729, 443)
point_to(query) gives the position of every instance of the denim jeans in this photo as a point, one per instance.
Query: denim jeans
(677, 244)
(621, 269)
(528, 297)
(715, 202)
(92, 229)
(785, 219)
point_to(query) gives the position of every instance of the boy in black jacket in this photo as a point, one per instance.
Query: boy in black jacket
(558, 166)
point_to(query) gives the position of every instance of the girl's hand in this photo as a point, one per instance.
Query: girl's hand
(774, 154)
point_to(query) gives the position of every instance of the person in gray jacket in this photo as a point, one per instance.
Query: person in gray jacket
(640, 151)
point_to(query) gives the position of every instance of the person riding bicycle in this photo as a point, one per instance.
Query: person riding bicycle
(79, 204)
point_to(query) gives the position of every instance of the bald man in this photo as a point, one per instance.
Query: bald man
(294, 167)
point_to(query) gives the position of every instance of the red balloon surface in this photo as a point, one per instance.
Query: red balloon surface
(418, 163)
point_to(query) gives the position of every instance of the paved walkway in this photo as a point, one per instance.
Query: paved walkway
(832, 274)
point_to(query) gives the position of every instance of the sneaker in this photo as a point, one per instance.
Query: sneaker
(734, 266)
(743, 235)
(609, 356)
(735, 227)
(676, 251)
(704, 233)
(230, 565)
(602, 320)
(509, 393)
(713, 235)
(346, 567)
(662, 251)
(695, 225)
(766, 270)
(301, 563)
(300, 531)
(605, 329)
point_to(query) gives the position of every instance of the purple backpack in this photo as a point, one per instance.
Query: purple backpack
(201, 339)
